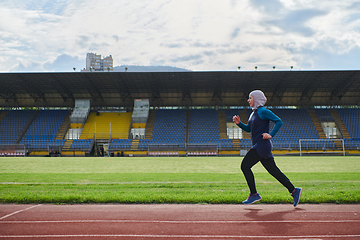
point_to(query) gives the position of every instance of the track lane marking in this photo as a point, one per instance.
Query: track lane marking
(23, 210)
(178, 236)
(179, 222)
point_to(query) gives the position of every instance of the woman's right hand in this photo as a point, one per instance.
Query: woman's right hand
(236, 119)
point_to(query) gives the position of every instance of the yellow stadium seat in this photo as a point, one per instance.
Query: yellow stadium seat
(116, 124)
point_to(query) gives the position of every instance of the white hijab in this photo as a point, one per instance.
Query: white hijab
(259, 99)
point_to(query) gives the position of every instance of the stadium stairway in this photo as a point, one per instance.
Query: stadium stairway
(340, 124)
(187, 125)
(67, 145)
(338, 145)
(28, 124)
(64, 127)
(236, 144)
(2, 115)
(244, 118)
(317, 123)
(150, 124)
(222, 124)
(135, 144)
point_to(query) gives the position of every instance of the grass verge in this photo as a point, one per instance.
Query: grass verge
(172, 180)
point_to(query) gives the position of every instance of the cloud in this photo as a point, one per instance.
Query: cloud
(115, 37)
(187, 58)
(235, 33)
(48, 6)
(55, 35)
(63, 63)
(325, 56)
(83, 41)
(355, 5)
(172, 45)
(352, 18)
(270, 7)
(27, 66)
(288, 20)
(297, 21)
(202, 45)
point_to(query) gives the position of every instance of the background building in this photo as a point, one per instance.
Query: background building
(106, 64)
(95, 63)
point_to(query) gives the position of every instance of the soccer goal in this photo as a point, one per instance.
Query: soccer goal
(322, 146)
(54, 150)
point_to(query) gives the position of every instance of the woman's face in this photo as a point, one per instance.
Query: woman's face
(251, 101)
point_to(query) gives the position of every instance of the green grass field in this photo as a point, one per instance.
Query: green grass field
(173, 180)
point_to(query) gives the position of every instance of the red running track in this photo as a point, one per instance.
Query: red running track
(118, 221)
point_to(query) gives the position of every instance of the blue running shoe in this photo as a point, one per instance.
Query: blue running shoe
(252, 198)
(296, 194)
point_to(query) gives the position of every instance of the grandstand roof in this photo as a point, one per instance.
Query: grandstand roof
(119, 89)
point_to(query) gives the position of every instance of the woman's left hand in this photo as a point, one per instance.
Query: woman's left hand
(266, 136)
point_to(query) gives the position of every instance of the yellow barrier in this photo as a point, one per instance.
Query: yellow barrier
(73, 153)
(39, 153)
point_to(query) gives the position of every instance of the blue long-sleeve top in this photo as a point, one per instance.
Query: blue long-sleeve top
(259, 123)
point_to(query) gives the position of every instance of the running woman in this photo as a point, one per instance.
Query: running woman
(258, 125)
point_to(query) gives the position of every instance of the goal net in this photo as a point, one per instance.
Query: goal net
(54, 150)
(325, 146)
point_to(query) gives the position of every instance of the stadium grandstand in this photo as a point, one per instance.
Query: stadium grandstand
(175, 113)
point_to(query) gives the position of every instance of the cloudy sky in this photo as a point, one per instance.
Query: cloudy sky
(209, 35)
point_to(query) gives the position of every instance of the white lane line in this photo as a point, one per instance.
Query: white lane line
(6, 216)
(180, 236)
(179, 222)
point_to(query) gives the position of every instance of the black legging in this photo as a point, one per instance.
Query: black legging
(252, 158)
